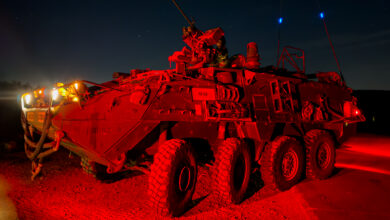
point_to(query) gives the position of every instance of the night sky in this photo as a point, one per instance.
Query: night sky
(44, 41)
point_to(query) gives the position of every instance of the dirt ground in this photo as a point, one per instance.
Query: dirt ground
(65, 192)
(360, 189)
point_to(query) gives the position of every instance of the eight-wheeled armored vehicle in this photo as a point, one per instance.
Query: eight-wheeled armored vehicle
(227, 112)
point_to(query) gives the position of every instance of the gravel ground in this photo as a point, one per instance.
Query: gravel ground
(65, 192)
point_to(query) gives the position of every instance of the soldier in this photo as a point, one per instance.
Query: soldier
(221, 54)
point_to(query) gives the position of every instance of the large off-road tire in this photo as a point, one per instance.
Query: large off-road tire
(282, 163)
(232, 170)
(173, 177)
(320, 154)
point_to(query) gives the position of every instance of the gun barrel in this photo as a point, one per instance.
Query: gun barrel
(182, 13)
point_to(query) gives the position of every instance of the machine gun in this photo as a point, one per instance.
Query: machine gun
(191, 23)
(200, 43)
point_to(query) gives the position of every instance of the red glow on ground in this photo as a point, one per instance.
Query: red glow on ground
(362, 168)
(370, 145)
(65, 192)
(369, 153)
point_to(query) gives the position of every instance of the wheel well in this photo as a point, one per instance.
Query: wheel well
(291, 129)
(332, 134)
(334, 137)
(253, 149)
(204, 151)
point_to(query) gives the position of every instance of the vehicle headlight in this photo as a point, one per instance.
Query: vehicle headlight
(27, 99)
(54, 94)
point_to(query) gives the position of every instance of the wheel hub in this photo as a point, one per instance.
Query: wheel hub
(323, 155)
(290, 165)
(184, 178)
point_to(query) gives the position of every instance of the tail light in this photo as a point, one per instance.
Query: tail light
(357, 112)
(351, 110)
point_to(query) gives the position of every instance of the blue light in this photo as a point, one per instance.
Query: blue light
(280, 20)
(322, 15)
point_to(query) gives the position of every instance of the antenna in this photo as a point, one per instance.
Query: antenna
(280, 21)
(322, 17)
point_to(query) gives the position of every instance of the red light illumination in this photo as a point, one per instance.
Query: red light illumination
(357, 112)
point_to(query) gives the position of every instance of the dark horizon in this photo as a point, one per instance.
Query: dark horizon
(45, 42)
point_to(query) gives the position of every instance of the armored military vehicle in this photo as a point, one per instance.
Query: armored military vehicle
(229, 113)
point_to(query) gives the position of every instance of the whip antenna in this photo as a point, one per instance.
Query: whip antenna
(322, 16)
